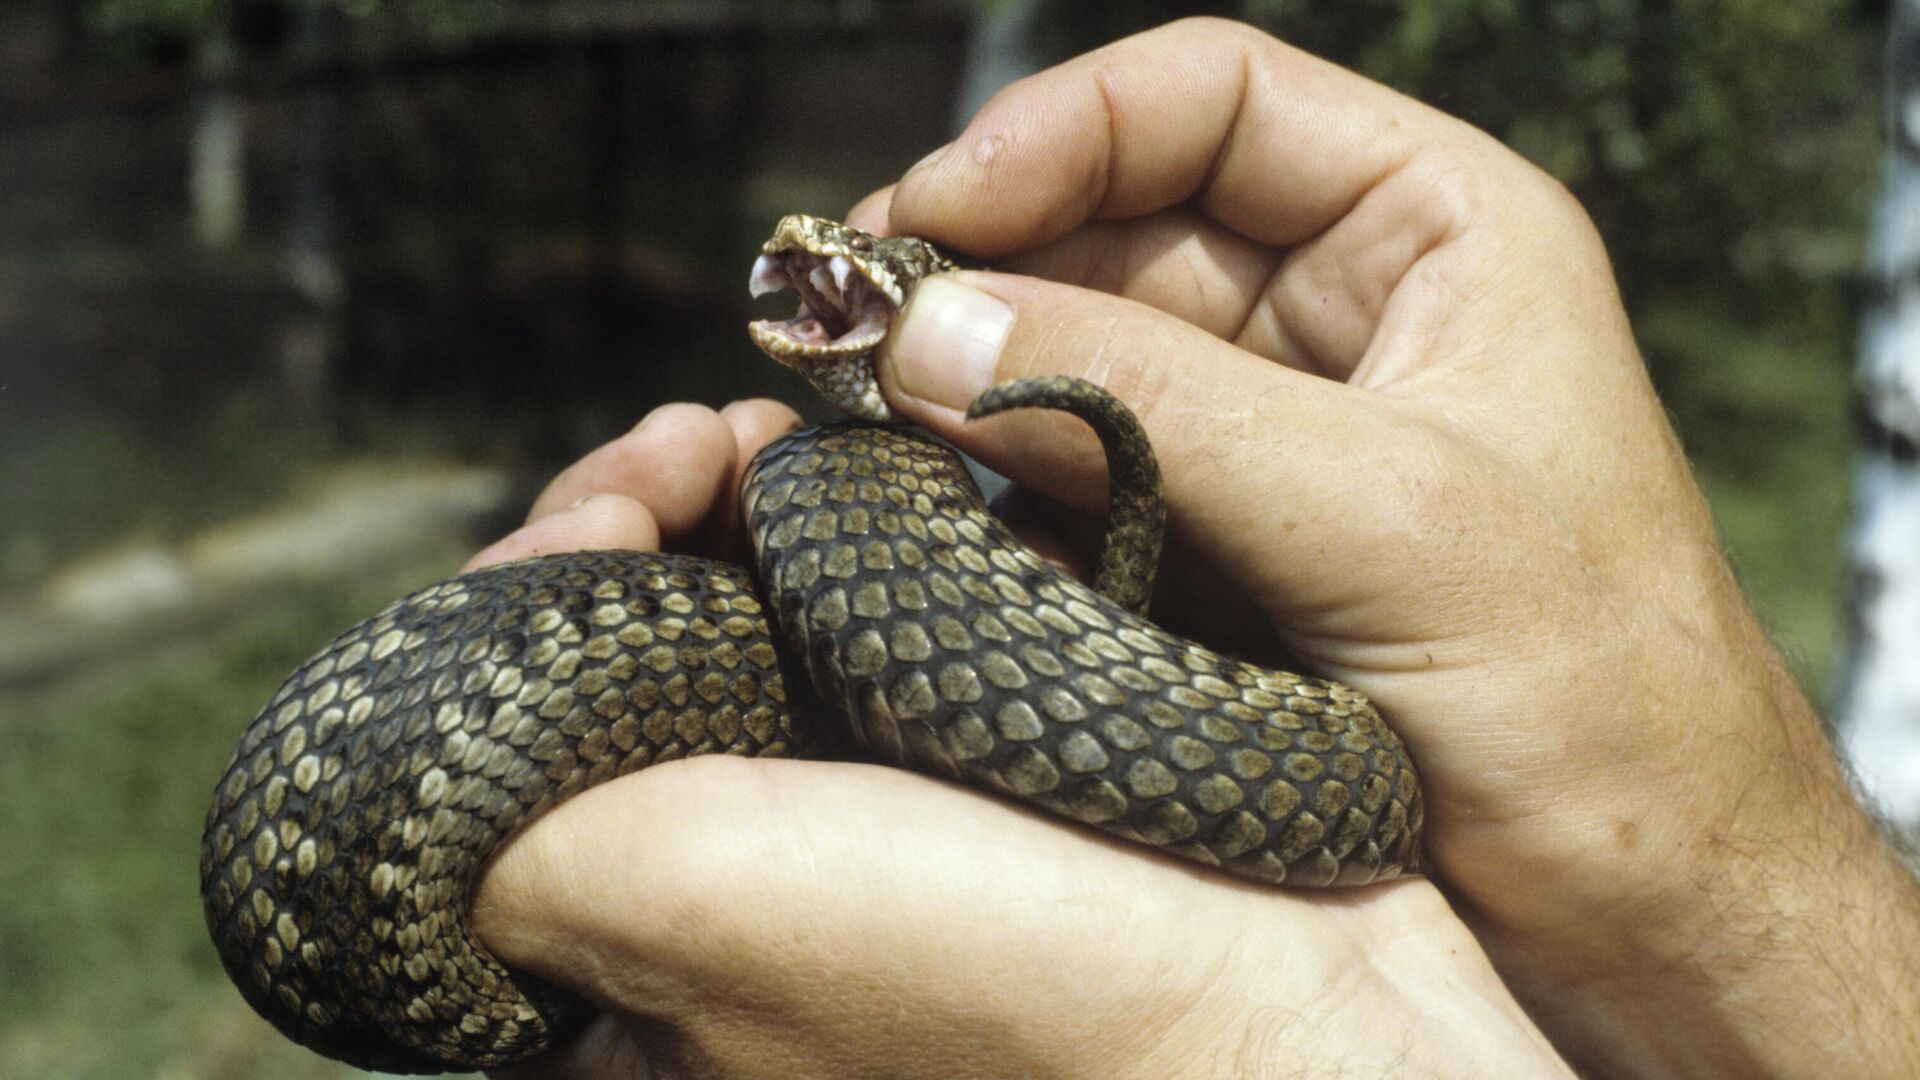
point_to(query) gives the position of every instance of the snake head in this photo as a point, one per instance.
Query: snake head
(851, 285)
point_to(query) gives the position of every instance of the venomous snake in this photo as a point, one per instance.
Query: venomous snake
(363, 801)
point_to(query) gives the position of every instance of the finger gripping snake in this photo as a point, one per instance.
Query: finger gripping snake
(886, 602)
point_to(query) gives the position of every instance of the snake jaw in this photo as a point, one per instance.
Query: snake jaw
(843, 317)
(851, 285)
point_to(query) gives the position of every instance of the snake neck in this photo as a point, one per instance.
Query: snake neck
(852, 284)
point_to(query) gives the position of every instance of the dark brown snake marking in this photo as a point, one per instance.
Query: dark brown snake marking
(360, 805)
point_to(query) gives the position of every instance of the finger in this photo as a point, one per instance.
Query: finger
(1183, 263)
(754, 423)
(1177, 260)
(678, 463)
(1270, 141)
(1286, 151)
(1219, 419)
(870, 213)
(610, 1047)
(600, 522)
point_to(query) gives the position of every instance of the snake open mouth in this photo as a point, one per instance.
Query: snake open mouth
(843, 312)
(851, 284)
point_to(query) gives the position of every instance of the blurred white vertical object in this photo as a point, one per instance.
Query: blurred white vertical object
(1877, 703)
(1004, 47)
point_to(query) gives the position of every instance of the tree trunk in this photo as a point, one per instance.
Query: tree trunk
(217, 182)
(311, 340)
(1878, 699)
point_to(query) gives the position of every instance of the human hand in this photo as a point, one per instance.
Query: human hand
(816, 919)
(1403, 422)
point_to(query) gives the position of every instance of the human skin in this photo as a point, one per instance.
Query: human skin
(1407, 437)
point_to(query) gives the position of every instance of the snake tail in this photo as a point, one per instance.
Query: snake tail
(1136, 508)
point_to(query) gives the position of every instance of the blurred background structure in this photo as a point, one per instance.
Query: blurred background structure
(300, 301)
(1877, 694)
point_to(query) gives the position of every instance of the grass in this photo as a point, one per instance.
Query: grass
(75, 475)
(109, 972)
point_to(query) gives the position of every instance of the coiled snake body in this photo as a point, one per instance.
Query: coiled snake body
(364, 799)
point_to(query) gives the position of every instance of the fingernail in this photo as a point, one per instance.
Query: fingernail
(947, 344)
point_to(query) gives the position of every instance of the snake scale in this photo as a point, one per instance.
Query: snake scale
(363, 801)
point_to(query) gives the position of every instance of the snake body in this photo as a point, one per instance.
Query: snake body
(887, 602)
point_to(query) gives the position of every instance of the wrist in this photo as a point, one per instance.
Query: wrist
(1759, 934)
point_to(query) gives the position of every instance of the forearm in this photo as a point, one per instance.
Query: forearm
(1779, 947)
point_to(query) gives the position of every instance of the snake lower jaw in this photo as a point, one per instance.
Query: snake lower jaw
(841, 371)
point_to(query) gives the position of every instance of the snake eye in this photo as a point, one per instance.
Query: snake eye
(861, 243)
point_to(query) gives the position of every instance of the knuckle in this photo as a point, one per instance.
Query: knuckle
(1219, 27)
(674, 415)
(1142, 382)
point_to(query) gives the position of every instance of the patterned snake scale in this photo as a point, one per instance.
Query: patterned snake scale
(361, 804)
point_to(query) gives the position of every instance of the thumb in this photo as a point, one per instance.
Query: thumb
(1264, 466)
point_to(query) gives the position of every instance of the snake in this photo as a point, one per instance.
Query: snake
(889, 616)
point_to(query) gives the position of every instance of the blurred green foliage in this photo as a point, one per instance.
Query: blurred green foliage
(1724, 145)
(144, 29)
(103, 790)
